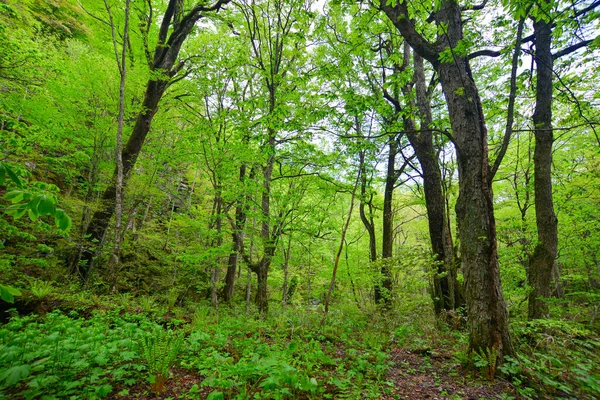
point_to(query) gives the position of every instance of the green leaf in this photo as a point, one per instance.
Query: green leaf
(15, 374)
(46, 206)
(215, 395)
(16, 210)
(104, 390)
(14, 196)
(59, 214)
(33, 204)
(13, 177)
(33, 215)
(64, 222)
(8, 293)
(2, 174)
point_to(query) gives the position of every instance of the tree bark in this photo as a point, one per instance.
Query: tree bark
(261, 269)
(487, 315)
(286, 265)
(383, 292)
(445, 284)
(367, 220)
(542, 260)
(218, 226)
(238, 229)
(340, 248)
(122, 64)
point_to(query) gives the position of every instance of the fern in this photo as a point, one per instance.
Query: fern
(160, 349)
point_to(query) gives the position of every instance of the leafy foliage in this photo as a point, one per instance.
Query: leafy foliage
(160, 349)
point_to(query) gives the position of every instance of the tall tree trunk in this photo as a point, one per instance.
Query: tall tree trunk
(383, 292)
(487, 314)
(122, 64)
(261, 269)
(214, 302)
(340, 248)
(542, 260)
(445, 282)
(163, 64)
(367, 200)
(248, 291)
(286, 264)
(231, 271)
(238, 228)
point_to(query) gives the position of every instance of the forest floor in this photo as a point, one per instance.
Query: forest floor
(434, 376)
(430, 375)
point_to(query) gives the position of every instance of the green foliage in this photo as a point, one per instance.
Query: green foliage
(160, 349)
(556, 358)
(66, 355)
(8, 293)
(37, 199)
(40, 289)
(57, 115)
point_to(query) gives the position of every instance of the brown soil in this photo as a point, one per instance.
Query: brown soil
(435, 376)
(414, 376)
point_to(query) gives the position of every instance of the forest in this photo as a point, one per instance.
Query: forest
(299, 199)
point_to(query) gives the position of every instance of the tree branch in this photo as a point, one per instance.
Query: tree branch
(476, 7)
(484, 52)
(571, 49)
(399, 17)
(511, 102)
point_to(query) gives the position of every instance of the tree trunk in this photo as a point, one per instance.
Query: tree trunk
(231, 271)
(238, 228)
(340, 248)
(383, 292)
(218, 207)
(367, 220)
(122, 64)
(445, 282)
(487, 315)
(542, 260)
(248, 291)
(286, 264)
(262, 297)
(165, 55)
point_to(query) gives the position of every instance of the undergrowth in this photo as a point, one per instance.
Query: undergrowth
(287, 356)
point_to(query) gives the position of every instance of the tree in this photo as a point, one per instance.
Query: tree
(162, 62)
(542, 260)
(121, 60)
(447, 293)
(275, 34)
(487, 314)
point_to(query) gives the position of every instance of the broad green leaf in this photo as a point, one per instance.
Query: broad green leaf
(64, 222)
(59, 214)
(14, 196)
(33, 215)
(16, 210)
(8, 293)
(46, 206)
(215, 395)
(2, 174)
(33, 204)
(13, 177)
(15, 374)
(104, 390)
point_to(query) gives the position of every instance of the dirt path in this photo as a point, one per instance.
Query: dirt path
(434, 376)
